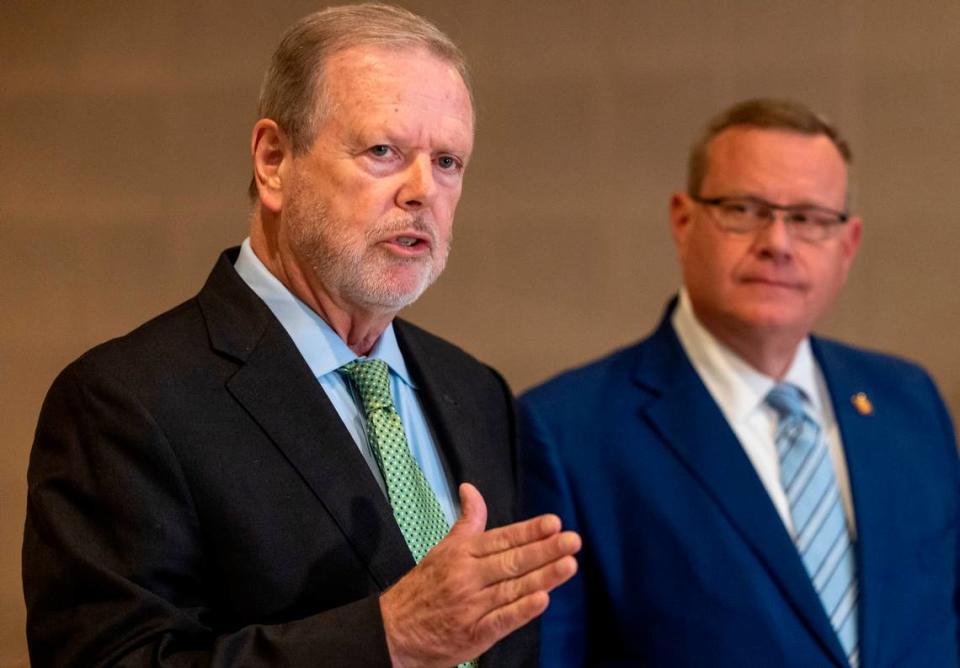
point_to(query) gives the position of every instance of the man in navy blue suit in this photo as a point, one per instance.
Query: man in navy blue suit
(749, 494)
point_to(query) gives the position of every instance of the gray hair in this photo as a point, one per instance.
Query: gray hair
(293, 93)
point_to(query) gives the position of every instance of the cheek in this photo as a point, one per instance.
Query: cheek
(832, 275)
(360, 208)
(714, 262)
(824, 266)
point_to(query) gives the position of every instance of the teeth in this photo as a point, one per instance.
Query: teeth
(406, 241)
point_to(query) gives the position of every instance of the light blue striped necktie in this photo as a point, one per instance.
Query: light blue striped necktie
(821, 533)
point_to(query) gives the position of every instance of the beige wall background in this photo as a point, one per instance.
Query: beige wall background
(123, 166)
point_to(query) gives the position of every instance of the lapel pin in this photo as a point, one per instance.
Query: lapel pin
(862, 403)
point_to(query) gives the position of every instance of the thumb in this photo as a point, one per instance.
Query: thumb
(473, 512)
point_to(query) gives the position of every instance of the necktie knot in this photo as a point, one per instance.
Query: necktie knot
(372, 380)
(786, 400)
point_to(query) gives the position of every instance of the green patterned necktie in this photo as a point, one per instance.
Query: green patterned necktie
(415, 506)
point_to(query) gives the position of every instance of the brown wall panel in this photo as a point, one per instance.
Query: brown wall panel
(123, 166)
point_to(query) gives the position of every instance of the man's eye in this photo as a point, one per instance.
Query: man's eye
(736, 208)
(800, 217)
(447, 162)
(380, 151)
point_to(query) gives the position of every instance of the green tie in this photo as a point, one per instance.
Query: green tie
(415, 506)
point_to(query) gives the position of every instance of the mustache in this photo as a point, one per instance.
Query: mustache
(404, 223)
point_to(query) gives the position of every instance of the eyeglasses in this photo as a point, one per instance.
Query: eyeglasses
(743, 215)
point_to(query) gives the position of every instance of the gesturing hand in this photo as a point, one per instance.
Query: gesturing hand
(475, 587)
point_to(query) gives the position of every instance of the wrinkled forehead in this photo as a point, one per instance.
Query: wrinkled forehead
(361, 76)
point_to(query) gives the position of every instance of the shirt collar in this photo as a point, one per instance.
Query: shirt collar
(322, 349)
(803, 374)
(741, 388)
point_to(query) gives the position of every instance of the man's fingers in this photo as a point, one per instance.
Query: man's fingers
(512, 603)
(460, 600)
(518, 533)
(473, 512)
(518, 561)
(543, 579)
(506, 619)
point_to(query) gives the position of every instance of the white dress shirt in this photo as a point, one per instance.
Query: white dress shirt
(740, 390)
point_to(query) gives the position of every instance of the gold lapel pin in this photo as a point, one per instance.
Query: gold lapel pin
(862, 403)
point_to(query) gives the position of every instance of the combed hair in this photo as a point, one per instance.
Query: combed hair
(293, 92)
(766, 113)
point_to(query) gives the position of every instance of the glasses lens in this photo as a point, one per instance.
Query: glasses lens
(744, 215)
(741, 215)
(812, 224)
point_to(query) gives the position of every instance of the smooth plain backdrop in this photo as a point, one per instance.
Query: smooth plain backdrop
(124, 132)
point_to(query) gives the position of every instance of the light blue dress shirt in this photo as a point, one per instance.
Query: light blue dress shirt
(325, 352)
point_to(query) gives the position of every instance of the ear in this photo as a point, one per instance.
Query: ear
(681, 216)
(850, 240)
(270, 150)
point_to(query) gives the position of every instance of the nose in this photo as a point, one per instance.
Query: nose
(774, 239)
(417, 186)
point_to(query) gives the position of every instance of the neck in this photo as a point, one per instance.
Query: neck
(769, 352)
(359, 327)
(768, 357)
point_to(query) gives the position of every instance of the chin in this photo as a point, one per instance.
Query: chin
(764, 314)
(389, 294)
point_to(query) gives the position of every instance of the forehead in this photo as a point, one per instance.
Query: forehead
(396, 86)
(780, 165)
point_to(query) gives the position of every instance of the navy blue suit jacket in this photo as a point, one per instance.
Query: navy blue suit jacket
(685, 560)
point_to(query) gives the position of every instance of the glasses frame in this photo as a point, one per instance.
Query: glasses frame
(801, 231)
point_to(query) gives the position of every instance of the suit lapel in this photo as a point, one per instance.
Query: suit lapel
(276, 387)
(447, 403)
(862, 432)
(681, 410)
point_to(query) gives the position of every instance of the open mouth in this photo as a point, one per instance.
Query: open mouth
(410, 244)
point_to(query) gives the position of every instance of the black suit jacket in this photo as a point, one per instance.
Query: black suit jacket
(194, 498)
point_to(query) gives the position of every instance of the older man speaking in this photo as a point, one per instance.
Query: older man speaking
(279, 472)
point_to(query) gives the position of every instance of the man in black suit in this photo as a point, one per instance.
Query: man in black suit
(218, 488)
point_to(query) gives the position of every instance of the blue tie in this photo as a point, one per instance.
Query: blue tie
(822, 538)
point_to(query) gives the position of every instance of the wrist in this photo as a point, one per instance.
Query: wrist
(395, 647)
